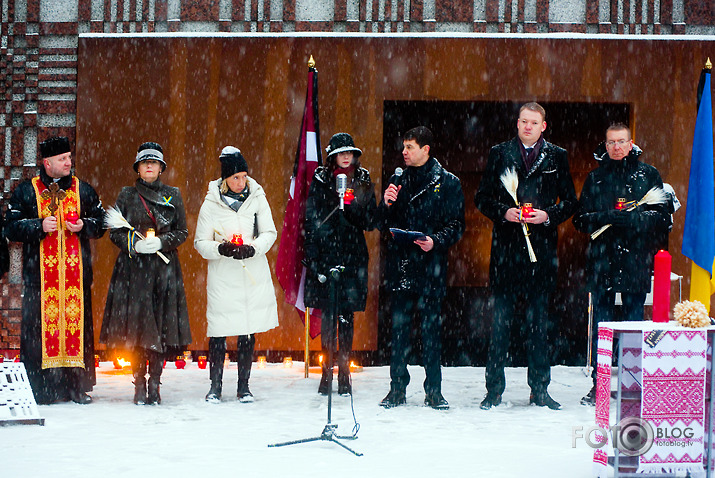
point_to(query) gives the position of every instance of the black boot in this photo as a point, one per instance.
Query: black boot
(139, 373)
(244, 362)
(217, 352)
(156, 365)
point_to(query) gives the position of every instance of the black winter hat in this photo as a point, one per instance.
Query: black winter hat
(341, 142)
(147, 151)
(232, 162)
(54, 146)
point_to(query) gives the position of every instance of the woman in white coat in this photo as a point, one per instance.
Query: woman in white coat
(234, 232)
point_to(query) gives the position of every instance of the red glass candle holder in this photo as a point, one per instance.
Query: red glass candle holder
(96, 361)
(349, 196)
(180, 362)
(526, 210)
(202, 361)
(237, 239)
(72, 216)
(620, 204)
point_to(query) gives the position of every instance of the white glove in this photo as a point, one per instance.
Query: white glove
(150, 245)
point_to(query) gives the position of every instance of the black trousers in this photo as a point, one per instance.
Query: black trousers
(632, 309)
(217, 352)
(428, 309)
(539, 373)
(345, 328)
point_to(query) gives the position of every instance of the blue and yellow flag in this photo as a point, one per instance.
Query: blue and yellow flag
(699, 232)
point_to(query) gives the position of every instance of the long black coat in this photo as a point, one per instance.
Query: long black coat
(338, 239)
(430, 201)
(23, 224)
(549, 187)
(146, 303)
(621, 258)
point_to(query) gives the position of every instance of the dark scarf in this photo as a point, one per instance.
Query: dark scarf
(416, 178)
(160, 206)
(530, 157)
(240, 198)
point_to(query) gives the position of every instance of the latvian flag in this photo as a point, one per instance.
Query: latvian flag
(290, 271)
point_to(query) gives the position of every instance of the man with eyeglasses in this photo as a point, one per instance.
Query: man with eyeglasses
(620, 259)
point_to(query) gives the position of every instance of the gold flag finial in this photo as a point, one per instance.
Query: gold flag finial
(708, 64)
(311, 62)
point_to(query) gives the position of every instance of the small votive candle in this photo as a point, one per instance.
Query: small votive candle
(72, 216)
(237, 239)
(355, 367)
(287, 362)
(261, 361)
(180, 362)
(150, 233)
(202, 361)
(96, 361)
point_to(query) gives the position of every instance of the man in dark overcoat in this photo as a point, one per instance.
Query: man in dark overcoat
(56, 332)
(621, 258)
(544, 181)
(427, 199)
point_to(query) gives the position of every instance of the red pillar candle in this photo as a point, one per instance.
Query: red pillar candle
(661, 287)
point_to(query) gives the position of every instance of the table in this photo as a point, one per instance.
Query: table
(653, 355)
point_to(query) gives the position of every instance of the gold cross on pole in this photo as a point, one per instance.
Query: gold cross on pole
(55, 195)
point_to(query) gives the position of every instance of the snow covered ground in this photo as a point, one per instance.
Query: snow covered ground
(187, 437)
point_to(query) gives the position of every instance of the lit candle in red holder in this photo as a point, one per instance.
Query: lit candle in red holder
(661, 286)
(150, 233)
(620, 203)
(349, 196)
(71, 216)
(180, 362)
(237, 239)
(96, 361)
(526, 210)
(202, 361)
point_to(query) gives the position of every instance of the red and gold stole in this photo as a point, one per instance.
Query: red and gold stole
(61, 276)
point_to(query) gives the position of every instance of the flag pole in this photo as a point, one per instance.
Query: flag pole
(307, 341)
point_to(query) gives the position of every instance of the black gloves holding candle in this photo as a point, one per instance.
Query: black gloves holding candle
(236, 251)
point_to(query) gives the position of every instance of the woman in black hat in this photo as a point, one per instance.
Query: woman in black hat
(146, 311)
(234, 232)
(334, 237)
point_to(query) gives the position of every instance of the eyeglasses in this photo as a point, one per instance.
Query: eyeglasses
(620, 142)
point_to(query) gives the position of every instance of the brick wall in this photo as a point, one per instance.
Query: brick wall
(38, 53)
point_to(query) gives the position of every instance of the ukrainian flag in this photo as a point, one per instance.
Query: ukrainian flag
(699, 232)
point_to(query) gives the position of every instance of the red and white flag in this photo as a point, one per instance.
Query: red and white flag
(289, 269)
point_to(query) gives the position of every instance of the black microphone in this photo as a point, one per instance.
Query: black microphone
(341, 185)
(398, 176)
(321, 277)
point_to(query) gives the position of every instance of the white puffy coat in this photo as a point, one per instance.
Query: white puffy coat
(241, 299)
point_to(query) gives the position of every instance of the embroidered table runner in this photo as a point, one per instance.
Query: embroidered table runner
(669, 372)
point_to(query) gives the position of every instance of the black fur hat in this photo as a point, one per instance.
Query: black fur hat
(54, 146)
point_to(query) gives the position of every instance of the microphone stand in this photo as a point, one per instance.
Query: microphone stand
(329, 431)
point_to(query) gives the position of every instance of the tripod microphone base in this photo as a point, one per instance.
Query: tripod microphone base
(328, 434)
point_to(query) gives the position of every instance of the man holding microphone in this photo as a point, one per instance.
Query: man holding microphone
(428, 200)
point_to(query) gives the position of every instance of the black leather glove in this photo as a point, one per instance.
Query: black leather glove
(244, 252)
(618, 218)
(227, 249)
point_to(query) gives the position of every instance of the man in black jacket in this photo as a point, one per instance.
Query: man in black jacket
(56, 333)
(429, 200)
(544, 181)
(621, 258)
